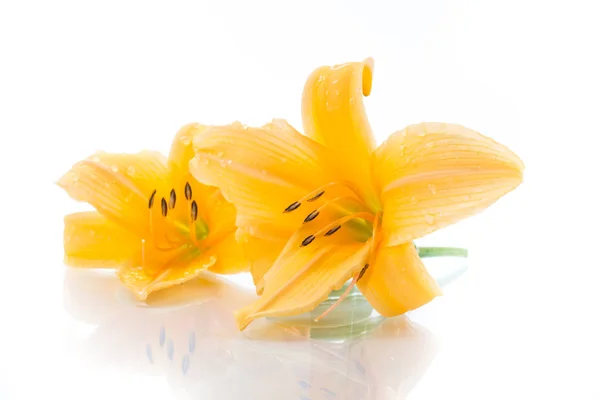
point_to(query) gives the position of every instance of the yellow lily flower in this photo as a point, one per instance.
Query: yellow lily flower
(319, 209)
(154, 221)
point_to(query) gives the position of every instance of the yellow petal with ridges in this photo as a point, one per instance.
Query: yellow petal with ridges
(143, 280)
(397, 281)
(433, 174)
(262, 171)
(300, 281)
(333, 113)
(230, 256)
(119, 186)
(91, 240)
(261, 255)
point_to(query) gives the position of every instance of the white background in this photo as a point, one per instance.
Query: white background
(76, 77)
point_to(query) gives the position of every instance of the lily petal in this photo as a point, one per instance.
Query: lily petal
(298, 283)
(432, 175)
(143, 279)
(261, 254)
(333, 114)
(119, 186)
(212, 207)
(397, 281)
(230, 256)
(262, 171)
(91, 240)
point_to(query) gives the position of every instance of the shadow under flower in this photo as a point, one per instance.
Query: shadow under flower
(188, 335)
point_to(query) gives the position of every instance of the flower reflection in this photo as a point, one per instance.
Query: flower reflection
(188, 336)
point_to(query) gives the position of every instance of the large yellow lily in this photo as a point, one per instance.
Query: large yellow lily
(154, 221)
(318, 209)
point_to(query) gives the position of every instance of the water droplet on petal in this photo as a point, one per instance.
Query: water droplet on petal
(114, 168)
(432, 188)
(263, 171)
(220, 154)
(414, 200)
(429, 219)
(185, 139)
(131, 170)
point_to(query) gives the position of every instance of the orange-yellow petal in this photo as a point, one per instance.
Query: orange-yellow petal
(119, 186)
(230, 256)
(397, 281)
(261, 255)
(182, 148)
(262, 171)
(145, 279)
(333, 113)
(91, 240)
(433, 174)
(300, 281)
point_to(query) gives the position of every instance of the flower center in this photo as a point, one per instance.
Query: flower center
(340, 208)
(178, 219)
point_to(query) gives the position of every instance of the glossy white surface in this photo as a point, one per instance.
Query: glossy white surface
(521, 323)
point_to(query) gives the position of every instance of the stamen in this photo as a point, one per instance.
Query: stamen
(193, 206)
(188, 191)
(194, 211)
(321, 193)
(151, 201)
(311, 216)
(315, 194)
(362, 272)
(308, 240)
(163, 207)
(292, 207)
(172, 199)
(333, 230)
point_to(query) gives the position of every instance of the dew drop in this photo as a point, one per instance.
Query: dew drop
(128, 198)
(263, 171)
(185, 139)
(220, 154)
(429, 219)
(432, 188)
(131, 170)
(114, 168)
(413, 200)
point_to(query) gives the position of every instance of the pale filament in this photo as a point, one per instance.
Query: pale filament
(367, 216)
(317, 191)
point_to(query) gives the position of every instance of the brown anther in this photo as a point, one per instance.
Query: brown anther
(316, 196)
(163, 207)
(194, 211)
(172, 199)
(292, 207)
(308, 240)
(188, 191)
(151, 201)
(311, 216)
(332, 230)
(362, 272)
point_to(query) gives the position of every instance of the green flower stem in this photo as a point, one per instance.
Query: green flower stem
(428, 252)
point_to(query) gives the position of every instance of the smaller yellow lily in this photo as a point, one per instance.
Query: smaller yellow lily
(154, 222)
(319, 209)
